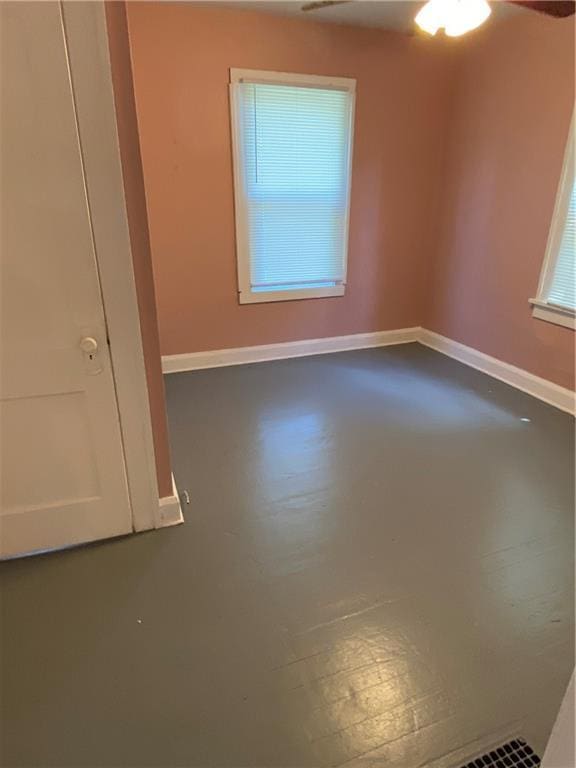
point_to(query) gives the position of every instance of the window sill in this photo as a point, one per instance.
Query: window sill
(260, 297)
(551, 314)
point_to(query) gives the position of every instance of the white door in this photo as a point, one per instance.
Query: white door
(62, 464)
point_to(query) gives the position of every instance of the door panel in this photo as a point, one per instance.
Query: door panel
(63, 475)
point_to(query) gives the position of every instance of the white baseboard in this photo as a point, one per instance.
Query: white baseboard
(545, 390)
(194, 361)
(170, 509)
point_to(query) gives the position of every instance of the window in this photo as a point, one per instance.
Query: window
(292, 144)
(556, 299)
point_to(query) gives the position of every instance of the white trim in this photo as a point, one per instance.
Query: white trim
(87, 42)
(542, 389)
(170, 509)
(258, 297)
(559, 751)
(545, 390)
(291, 78)
(557, 229)
(246, 295)
(241, 355)
(541, 310)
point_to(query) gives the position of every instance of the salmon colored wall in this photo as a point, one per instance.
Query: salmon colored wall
(513, 100)
(458, 150)
(181, 57)
(138, 225)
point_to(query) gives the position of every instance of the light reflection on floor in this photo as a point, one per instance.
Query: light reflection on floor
(376, 569)
(429, 403)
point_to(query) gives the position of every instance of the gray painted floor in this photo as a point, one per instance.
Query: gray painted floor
(378, 561)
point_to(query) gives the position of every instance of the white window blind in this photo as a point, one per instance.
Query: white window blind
(293, 152)
(562, 285)
(556, 298)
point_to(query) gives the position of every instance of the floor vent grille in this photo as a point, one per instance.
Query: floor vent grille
(513, 754)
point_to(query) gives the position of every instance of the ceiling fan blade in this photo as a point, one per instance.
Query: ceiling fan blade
(317, 4)
(558, 8)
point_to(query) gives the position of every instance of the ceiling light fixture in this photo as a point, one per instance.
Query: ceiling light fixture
(456, 17)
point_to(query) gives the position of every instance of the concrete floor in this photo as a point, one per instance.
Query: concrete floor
(378, 561)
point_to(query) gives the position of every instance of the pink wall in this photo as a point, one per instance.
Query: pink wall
(181, 58)
(118, 44)
(513, 100)
(458, 150)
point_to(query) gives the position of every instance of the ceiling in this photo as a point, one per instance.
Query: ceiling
(382, 14)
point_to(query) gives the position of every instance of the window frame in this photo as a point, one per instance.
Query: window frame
(542, 309)
(246, 294)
